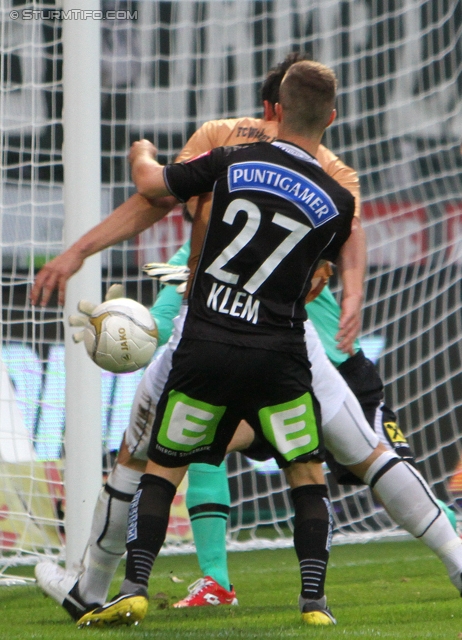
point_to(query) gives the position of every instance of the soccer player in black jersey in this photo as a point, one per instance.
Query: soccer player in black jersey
(242, 355)
(405, 496)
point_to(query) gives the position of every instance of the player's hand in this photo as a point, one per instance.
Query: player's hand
(142, 148)
(350, 322)
(168, 274)
(54, 275)
(86, 308)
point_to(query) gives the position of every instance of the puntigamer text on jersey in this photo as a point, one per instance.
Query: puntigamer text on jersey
(286, 183)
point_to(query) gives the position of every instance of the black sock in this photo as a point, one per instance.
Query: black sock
(147, 526)
(312, 537)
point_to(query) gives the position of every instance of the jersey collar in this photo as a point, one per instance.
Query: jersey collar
(296, 151)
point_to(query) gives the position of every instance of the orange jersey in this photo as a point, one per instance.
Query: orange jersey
(221, 133)
(232, 131)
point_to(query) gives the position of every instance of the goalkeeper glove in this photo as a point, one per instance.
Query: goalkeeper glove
(86, 308)
(168, 274)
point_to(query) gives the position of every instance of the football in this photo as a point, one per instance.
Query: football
(121, 335)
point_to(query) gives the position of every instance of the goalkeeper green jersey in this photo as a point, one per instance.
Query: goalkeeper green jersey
(324, 312)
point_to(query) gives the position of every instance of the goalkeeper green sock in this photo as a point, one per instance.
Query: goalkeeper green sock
(208, 501)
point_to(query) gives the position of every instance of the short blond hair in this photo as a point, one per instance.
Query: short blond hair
(307, 96)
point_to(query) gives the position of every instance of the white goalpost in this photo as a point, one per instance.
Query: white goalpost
(158, 69)
(82, 211)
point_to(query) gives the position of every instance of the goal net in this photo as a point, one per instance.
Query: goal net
(166, 67)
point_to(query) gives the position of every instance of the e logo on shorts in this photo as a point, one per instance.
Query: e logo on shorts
(188, 423)
(291, 427)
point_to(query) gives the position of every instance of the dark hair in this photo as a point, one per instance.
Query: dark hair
(270, 87)
(307, 96)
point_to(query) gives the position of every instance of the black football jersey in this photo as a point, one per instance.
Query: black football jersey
(275, 214)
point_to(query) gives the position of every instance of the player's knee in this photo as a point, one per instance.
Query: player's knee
(348, 435)
(127, 460)
(372, 471)
(301, 474)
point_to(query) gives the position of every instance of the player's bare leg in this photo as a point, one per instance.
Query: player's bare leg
(243, 437)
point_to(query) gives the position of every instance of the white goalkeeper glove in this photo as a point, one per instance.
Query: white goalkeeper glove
(168, 274)
(86, 308)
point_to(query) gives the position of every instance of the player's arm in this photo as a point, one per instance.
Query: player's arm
(183, 180)
(147, 173)
(352, 270)
(128, 220)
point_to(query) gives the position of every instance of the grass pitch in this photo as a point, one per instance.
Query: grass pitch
(396, 590)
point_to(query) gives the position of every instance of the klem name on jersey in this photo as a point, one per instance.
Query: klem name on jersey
(231, 302)
(280, 181)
